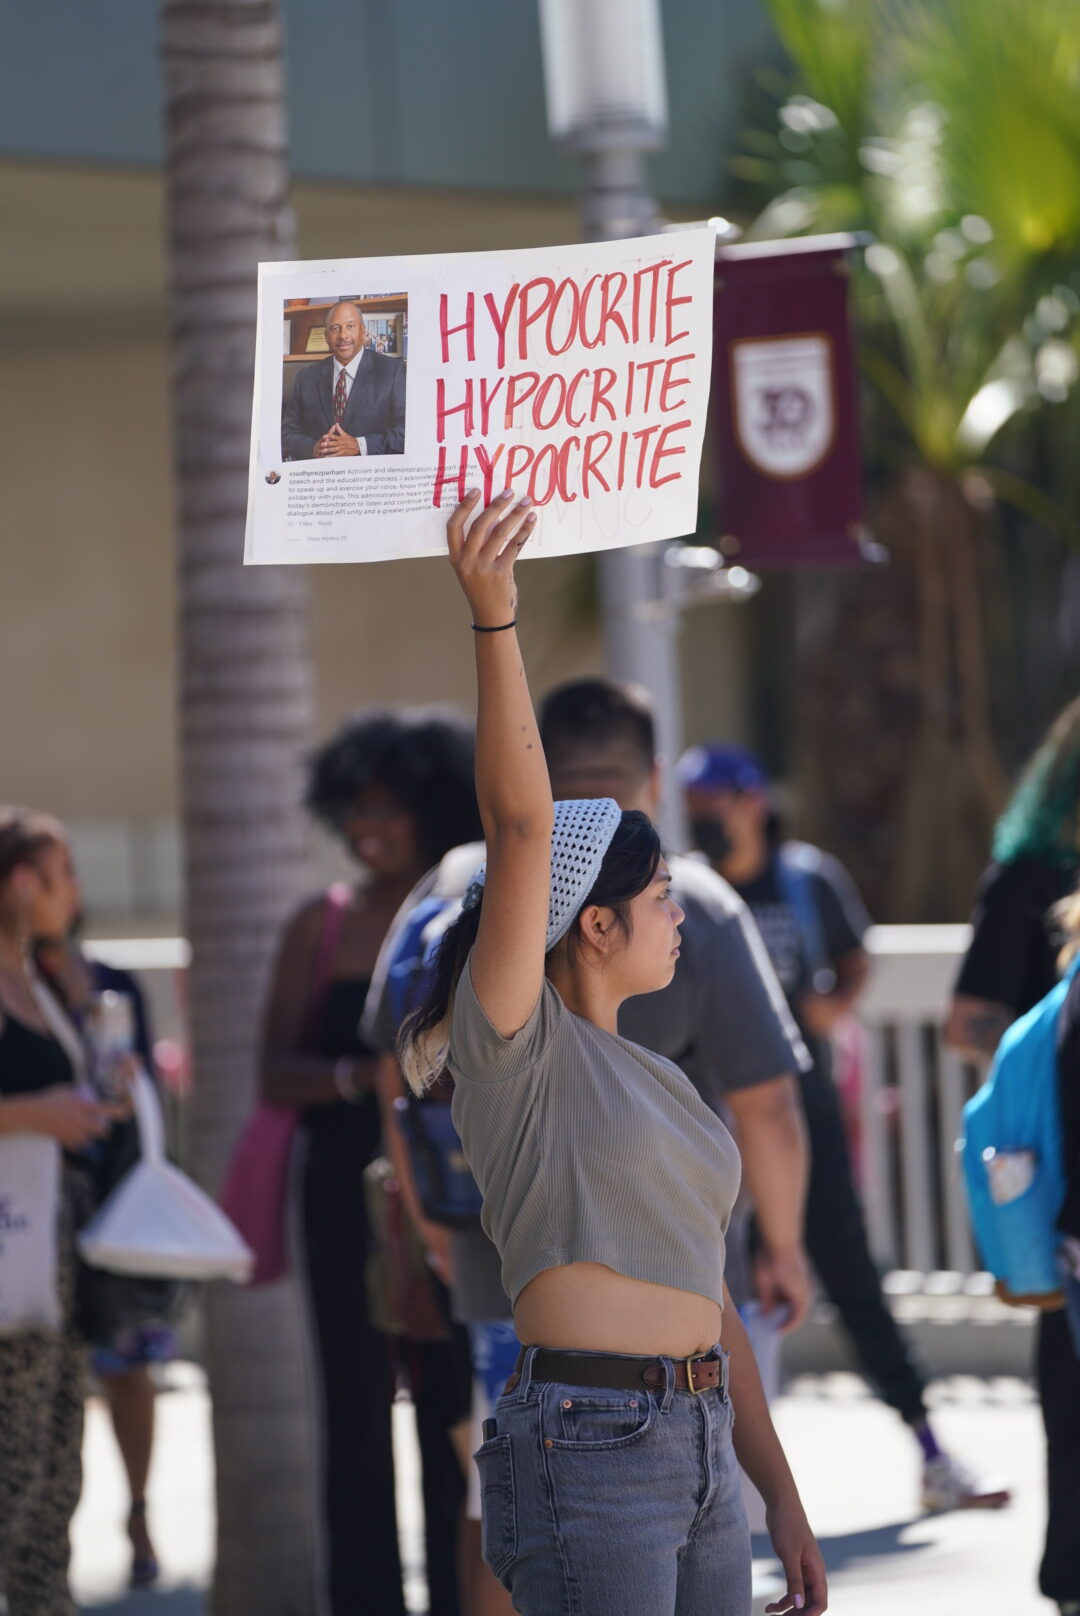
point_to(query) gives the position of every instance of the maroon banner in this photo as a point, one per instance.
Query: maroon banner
(785, 405)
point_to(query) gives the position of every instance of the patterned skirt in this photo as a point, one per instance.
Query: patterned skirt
(42, 1387)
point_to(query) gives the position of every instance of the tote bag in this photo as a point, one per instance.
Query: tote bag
(30, 1203)
(29, 1213)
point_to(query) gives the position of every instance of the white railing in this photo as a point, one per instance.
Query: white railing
(910, 1093)
(909, 1088)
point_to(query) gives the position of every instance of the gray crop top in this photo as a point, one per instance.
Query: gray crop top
(589, 1148)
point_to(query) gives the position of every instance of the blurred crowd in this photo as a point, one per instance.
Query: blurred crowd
(400, 1285)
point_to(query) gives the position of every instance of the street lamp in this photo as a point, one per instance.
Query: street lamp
(607, 102)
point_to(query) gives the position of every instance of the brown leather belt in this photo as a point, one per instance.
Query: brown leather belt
(623, 1374)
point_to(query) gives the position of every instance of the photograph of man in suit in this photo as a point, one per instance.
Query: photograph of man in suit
(352, 403)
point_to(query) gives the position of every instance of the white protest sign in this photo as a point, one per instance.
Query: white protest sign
(387, 387)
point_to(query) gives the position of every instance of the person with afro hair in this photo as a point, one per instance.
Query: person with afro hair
(396, 786)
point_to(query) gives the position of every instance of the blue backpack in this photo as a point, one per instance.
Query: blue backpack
(405, 974)
(1013, 1156)
(444, 1183)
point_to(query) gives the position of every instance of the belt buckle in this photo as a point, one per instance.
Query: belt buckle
(697, 1390)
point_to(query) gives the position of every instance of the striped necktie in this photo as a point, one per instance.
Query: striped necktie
(340, 396)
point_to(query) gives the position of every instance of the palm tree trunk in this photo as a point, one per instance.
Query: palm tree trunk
(972, 661)
(928, 809)
(898, 768)
(954, 788)
(246, 706)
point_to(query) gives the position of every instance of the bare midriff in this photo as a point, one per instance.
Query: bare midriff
(591, 1308)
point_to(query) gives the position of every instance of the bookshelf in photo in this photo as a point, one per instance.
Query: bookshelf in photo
(386, 316)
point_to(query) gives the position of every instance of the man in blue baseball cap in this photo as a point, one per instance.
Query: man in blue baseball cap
(813, 922)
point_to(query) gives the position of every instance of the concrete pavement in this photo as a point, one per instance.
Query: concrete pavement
(856, 1464)
(180, 1502)
(858, 1470)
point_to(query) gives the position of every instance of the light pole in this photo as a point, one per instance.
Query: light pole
(607, 102)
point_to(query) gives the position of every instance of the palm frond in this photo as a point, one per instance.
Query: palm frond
(891, 383)
(950, 129)
(1008, 82)
(832, 43)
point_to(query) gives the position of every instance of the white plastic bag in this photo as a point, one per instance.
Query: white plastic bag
(156, 1222)
(29, 1212)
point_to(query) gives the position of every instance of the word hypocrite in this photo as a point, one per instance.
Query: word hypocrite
(582, 408)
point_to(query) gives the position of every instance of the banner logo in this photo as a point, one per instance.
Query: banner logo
(784, 402)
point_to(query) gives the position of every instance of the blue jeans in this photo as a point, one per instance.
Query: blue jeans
(614, 1503)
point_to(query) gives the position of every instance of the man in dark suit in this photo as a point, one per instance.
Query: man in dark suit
(352, 403)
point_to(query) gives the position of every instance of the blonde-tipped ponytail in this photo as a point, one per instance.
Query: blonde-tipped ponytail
(424, 1055)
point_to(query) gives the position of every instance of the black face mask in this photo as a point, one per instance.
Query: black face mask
(710, 838)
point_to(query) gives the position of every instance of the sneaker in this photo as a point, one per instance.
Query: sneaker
(946, 1484)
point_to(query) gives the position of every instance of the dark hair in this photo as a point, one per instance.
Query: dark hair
(595, 712)
(629, 865)
(1042, 819)
(24, 833)
(423, 756)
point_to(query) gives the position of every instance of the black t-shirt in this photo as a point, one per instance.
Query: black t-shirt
(1068, 1056)
(841, 920)
(1012, 957)
(344, 1136)
(30, 1061)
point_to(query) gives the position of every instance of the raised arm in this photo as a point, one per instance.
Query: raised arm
(512, 785)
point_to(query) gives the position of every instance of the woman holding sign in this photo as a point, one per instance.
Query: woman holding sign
(609, 1474)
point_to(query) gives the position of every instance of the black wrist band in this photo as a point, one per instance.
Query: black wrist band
(478, 628)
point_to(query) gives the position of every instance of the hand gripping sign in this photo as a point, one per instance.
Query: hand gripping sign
(384, 388)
